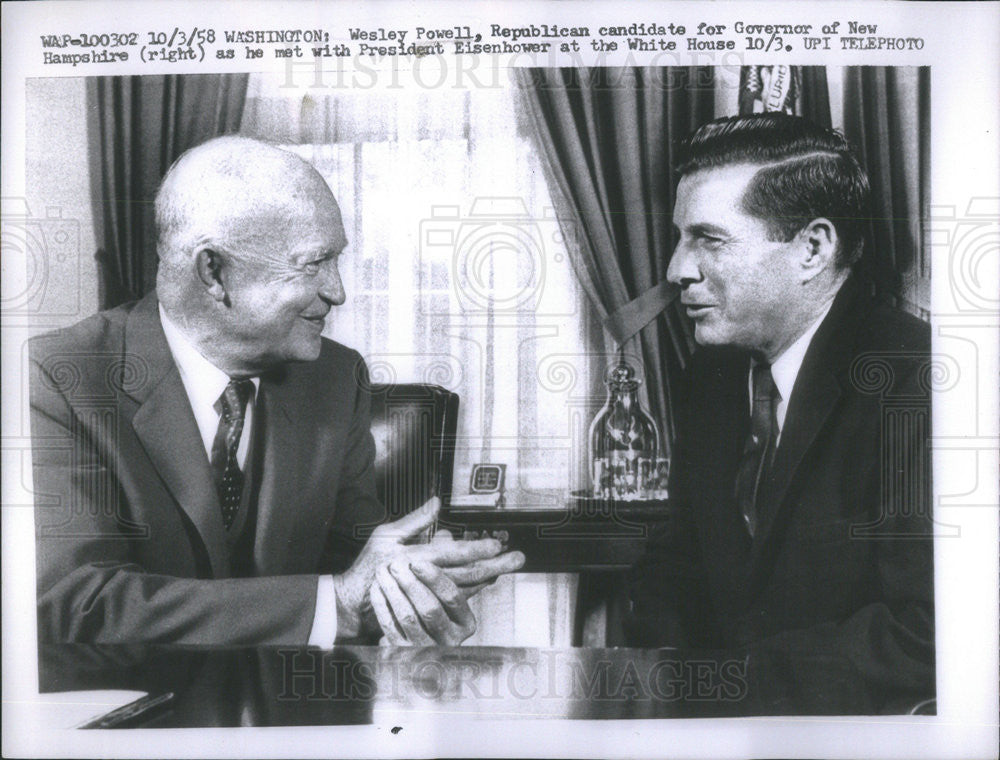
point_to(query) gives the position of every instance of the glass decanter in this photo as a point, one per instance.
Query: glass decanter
(624, 441)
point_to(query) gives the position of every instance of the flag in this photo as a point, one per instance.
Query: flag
(770, 88)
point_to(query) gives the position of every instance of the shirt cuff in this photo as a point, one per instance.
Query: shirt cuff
(324, 627)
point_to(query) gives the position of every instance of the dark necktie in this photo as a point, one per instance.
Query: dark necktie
(228, 476)
(759, 447)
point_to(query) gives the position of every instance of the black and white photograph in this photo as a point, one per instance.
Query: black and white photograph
(398, 379)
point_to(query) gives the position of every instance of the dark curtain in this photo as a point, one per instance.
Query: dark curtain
(814, 98)
(608, 138)
(887, 120)
(138, 126)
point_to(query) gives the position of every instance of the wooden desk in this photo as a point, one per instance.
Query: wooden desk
(589, 534)
(596, 540)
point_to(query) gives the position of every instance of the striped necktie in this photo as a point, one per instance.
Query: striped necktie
(758, 450)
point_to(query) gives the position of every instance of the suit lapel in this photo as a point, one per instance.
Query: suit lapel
(718, 429)
(728, 402)
(165, 425)
(816, 393)
(283, 487)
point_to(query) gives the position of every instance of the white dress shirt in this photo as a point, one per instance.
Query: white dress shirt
(786, 368)
(204, 383)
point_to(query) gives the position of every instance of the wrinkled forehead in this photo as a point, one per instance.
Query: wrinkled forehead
(295, 222)
(262, 196)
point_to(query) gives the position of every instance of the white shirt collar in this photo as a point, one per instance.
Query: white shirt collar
(203, 383)
(785, 368)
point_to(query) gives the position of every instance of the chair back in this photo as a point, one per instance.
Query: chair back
(414, 428)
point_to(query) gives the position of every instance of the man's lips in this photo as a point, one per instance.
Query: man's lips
(695, 309)
(318, 319)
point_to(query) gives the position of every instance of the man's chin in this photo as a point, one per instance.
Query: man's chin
(306, 350)
(707, 334)
(312, 354)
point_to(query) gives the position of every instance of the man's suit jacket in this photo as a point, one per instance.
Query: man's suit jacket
(130, 540)
(832, 601)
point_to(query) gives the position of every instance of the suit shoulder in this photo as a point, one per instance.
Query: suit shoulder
(334, 355)
(891, 329)
(97, 333)
(335, 377)
(332, 351)
(75, 360)
(894, 346)
(335, 362)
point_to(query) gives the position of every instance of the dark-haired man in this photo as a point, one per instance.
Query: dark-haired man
(202, 458)
(801, 472)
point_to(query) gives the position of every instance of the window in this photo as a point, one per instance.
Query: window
(456, 271)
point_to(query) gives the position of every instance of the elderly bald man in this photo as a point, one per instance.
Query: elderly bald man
(203, 463)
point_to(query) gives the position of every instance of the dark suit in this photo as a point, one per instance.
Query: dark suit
(130, 539)
(832, 601)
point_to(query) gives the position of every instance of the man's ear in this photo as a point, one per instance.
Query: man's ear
(819, 247)
(209, 265)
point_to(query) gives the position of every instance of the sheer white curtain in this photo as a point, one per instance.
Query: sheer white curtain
(457, 274)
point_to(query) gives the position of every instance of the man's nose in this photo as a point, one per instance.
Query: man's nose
(332, 287)
(683, 269)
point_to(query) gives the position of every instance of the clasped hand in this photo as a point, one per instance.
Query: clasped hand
(417, 593)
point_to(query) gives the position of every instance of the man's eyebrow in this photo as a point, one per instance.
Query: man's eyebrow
(324, 255)
(706, 228)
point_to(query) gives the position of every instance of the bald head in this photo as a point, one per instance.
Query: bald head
(247, 237)
(231, 190)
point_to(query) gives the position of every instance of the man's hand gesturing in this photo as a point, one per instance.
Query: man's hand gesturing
(419, 591)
